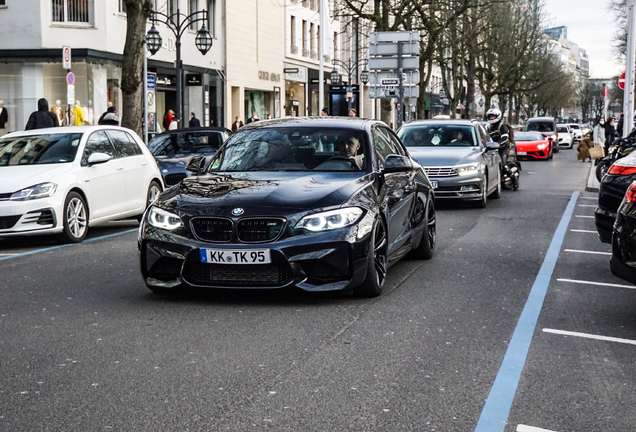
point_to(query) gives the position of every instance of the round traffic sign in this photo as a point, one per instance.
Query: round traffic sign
(70, 78)
(621, 81)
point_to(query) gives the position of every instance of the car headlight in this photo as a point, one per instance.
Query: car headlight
(42, 190)
(329, 220)
(466, 170)
(542, 146)
(159, 218)
(553, 137)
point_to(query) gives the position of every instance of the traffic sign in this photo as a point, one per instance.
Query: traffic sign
(391, 48)
(408, 78)
(70, 78)
(391, 63)
(621, 81)
(151, 82)
(70, 94)
(379, 92)
(403, 36)
(66, 57)
(390, 82)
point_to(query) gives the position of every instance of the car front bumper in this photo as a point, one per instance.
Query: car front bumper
(533, 153)
(467, 188)
(327, 261)
(38, 216)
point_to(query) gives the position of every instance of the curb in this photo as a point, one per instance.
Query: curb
(592, 184)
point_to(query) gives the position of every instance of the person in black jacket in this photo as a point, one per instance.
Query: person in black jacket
(109, 118)
(42, 118)
(610, 134)
(194, 121)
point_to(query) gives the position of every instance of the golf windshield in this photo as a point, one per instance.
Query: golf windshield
(438, 136)
(293, 149)
(39, 149)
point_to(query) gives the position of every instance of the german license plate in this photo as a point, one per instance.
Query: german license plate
(522, 153)
(236, 256)
(435, 184)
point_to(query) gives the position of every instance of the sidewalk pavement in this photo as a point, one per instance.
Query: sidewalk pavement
(592, 183)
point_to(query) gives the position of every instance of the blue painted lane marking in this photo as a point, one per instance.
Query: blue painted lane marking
(495, 413)
(66, 245)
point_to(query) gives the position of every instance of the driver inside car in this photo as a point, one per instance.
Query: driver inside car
(349, 146)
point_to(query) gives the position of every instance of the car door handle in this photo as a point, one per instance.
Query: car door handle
(143, 164)
(120, 168)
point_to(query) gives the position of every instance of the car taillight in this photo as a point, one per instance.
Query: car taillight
(631, 193)
(622, 169)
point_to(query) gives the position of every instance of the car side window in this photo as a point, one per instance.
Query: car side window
(124, 143)
(382, 146)
(394, 142)
(98, 142)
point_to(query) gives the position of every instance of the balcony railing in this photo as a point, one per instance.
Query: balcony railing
(294, 49)
(305, 52)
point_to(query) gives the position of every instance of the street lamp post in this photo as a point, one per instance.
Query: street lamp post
(350, 67)
(178, 24)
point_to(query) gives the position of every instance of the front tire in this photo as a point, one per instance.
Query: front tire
(483, 201)
(602, 168)
(154, 190)
(377, 263)
(497, 194)
(74, 219)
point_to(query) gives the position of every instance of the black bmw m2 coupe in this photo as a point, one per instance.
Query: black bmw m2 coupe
(319, 204)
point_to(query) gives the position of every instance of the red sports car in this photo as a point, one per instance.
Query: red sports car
(533, 145)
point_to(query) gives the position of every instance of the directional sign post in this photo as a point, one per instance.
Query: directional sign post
(394, 65)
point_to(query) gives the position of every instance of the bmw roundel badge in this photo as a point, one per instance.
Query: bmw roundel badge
(238, 211)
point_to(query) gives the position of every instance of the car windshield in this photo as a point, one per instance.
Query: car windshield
(528, 136)
(574, 127)
(186, 143)
(292, 149)
(39, 149)
(540, 126)
(438, 136)
(562, 129)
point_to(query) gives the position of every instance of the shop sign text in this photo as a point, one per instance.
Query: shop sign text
(267, 76)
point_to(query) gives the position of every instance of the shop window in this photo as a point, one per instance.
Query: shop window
(71, 11)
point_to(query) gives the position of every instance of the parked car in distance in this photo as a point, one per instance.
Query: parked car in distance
(576, 131)
(322, 204)
(546, 126)
(63, 180)
(174, 149)
(458, 156)
(623, 261)
(533, 145)
(565, 138)
(612, 190)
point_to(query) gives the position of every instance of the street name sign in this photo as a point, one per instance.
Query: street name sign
(408, 78)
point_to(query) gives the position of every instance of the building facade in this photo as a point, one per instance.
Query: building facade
(32, 63)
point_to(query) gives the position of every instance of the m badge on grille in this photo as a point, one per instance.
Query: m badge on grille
(238, 211)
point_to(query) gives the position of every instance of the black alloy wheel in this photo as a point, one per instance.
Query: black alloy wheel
(602, 168)
(426, 248)
(377, 263)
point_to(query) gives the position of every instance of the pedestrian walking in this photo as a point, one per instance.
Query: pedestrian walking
(109, 117)
(167, 119)
(583, 150)
(42, 118)
(194, 121)
(253, 119)
(599, 132)
(237, 124)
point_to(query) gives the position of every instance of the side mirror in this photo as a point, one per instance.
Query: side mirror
(98, 158)
(492, 145)
(196, 164)
(397, 163)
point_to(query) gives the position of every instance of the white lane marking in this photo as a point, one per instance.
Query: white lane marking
(587, 252)
(524, 428)
(597, 283)
(594, 198)
(7, 254)
(583, 231)
(586, 217)
(587, 205)
(590, 336)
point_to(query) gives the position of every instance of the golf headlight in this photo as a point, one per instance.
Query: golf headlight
(159, 218)
(468, 169)
(42, 190)
(329, 220)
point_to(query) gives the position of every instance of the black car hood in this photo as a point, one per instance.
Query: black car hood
(261, 193)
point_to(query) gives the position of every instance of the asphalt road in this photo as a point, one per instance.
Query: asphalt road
(86, 347)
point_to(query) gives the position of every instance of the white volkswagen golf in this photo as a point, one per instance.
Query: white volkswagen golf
(62, 180)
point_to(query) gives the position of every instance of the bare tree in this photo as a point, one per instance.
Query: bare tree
(138, 12)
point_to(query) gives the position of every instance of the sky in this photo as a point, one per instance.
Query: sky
(591, 25)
